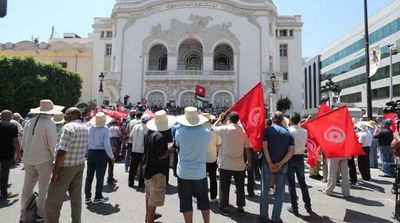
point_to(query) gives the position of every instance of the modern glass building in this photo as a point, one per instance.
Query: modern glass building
(344, 62)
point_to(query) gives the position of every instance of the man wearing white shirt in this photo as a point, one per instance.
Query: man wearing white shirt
(365, 139)
(39, 142)
(137, 139)
(296, 165)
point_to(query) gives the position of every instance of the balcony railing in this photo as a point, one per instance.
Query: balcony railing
(190, 75)
(111, 76)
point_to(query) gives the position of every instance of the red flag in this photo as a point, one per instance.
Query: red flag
(312, 144)
(334, 132)
(323, 108)
(392, 116)
(313, 149)
(251, 112)
(114, 114)
(200, 91)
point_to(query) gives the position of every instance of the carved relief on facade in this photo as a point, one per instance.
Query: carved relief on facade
(223, 99)
(199, 27)
(156, 98)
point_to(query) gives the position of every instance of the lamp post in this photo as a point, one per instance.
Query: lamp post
(100, 96)
(273, 79)
(393, 50)
(330, 90)
(272, 96)
(367, 62)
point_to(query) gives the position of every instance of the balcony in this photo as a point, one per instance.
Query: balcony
(155, 75)
(111, 76)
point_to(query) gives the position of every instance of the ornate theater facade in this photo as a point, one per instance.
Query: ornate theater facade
(161, 49)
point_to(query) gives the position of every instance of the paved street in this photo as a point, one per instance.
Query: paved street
(370, 202)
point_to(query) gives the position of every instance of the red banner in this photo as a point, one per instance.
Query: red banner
(392, 116)
(251, 112)
(200, 91)
(335, 134)
(323, 108)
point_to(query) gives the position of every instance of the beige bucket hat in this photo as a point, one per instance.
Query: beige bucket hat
(100, 120)
(361, 125)
(161, 121)
(191, 117)
(58, 118)
(47, 107)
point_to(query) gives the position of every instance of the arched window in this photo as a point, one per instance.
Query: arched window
(158, 58)
(193, 62)
(223, 57)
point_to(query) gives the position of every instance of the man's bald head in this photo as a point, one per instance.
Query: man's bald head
(6, 115)
(72, 114)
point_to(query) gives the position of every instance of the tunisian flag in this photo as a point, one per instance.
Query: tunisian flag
(334, 132)
(392, 116)
(251, 112)
(312, 144)
(200, 91)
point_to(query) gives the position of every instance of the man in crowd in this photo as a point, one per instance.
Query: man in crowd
(365, 139)
(296, 166)
(193, 140)
(9, 146)
(234, 144)
(137, 139)
(155, 162)
(115, 140)
(212, 154)
(39, 142)
(135, 119)
(334, 165)
(68, 169)
(385, 138)
(278, 148)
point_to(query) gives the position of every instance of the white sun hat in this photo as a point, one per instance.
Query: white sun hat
(161, 121)
(58, 118)
(47, 107)
(191, 117)
(100, 120)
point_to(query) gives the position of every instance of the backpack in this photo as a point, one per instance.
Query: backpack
(30, 212)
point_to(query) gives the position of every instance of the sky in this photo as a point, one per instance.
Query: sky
(324, 20)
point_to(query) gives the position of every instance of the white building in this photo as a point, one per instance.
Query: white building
(344, 60)
(160, 50)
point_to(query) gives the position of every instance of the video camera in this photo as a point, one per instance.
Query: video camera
(392, 106)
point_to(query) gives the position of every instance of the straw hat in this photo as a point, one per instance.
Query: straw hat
(47, 107)
(191, 117)
(371, 124)
(161, 121)
(208, 116)
(100, 120)
(58, 118)
(361, 125)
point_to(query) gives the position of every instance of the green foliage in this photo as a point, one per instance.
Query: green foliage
(86, 107)
(284, 104)
(24, 82)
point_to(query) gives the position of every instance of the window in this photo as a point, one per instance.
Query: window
(283, 32)
(63, 64)
(380, 93)
(102, 34)
(291, 32)
(108, 49)
(305, 89)
(109, 34)
(285, 76)
(351, 98)
(283, 50)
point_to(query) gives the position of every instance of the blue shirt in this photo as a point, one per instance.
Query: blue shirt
(192, 157)
(279, 139)
(99, 138)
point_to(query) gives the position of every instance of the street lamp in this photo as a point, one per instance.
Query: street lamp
(331, 90)
(100, 95)
(273, 79)
(101, 78)
(393, 50)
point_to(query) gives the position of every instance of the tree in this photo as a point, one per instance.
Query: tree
(24, 82)
(284, 104)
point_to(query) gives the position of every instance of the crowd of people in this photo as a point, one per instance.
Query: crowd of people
(55, 146)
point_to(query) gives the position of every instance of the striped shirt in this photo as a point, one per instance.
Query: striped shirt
(74, 141)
